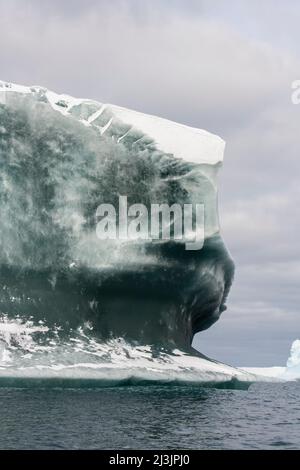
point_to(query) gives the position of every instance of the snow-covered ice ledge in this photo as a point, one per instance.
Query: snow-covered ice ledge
(191, 144)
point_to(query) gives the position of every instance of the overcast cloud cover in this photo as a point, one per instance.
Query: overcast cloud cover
(226, 66)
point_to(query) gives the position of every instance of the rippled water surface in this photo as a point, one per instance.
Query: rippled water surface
(267, 416)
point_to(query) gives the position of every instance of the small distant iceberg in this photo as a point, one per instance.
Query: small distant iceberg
(290, 372)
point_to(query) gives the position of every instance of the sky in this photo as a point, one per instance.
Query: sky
(225, 66)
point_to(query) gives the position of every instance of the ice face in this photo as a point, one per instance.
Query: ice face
(292, 370)
(146, 158)
(60, 158)
(294, 359)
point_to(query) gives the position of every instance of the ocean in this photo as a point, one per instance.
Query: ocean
(266, 416)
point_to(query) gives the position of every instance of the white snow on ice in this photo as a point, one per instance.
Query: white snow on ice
(184, 142)
(26, 352)
(188, 143)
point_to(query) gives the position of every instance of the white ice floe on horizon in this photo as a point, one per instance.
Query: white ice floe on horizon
(275, 372)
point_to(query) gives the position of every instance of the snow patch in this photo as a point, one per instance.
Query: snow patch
(188, 143)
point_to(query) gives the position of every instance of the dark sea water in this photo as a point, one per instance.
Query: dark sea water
(267, 416)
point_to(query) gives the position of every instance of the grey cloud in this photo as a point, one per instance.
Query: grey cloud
(186, 68)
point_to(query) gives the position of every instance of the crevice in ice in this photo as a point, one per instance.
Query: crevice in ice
(97, 114)
(106, 127)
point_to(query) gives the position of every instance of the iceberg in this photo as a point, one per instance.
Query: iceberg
(61, 157)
